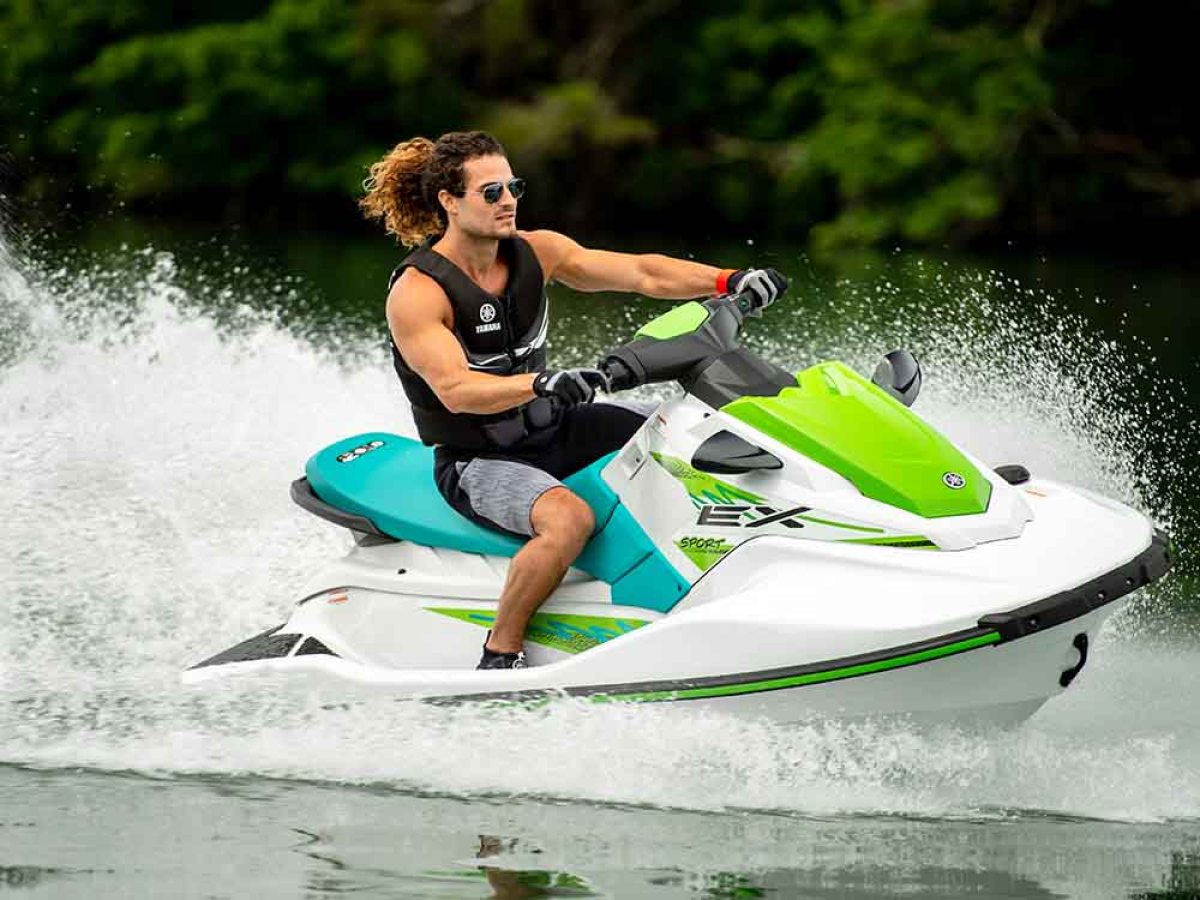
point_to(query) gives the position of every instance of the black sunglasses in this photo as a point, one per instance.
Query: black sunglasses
(494, 190)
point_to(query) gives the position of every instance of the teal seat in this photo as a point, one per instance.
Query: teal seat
(388, 479)
(392, 485)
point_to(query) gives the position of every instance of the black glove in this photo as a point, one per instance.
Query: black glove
(570, 386)
(768, 285)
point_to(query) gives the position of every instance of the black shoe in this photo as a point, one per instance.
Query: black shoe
(493, 660)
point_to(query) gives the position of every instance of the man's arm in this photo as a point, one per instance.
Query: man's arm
(651, 274)
(419, 317)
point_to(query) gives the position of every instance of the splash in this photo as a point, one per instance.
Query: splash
(147, 443)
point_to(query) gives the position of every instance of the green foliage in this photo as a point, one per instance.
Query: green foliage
(564, 116)
(850, 121)
(921, 122)
(281, 104)
(205, 107)
(911, 123)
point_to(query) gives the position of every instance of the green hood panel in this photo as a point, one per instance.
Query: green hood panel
(839, 419)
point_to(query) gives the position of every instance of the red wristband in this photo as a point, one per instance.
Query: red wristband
(723, 280)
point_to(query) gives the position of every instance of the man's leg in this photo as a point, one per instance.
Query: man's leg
(525, 497)
(562, 524)
(523, 500)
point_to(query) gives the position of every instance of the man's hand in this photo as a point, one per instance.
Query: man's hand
(766, 284)
(570, 386)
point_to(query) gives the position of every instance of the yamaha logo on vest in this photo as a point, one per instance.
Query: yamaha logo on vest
(487, 312)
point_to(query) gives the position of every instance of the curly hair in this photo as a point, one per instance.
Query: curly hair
(402, 189)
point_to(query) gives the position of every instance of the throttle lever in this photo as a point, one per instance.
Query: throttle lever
(745, 302)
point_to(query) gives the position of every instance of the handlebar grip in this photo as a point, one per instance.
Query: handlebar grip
(620, 376)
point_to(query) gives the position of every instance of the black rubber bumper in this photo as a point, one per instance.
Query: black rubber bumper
(1150, 565)
(304, 497)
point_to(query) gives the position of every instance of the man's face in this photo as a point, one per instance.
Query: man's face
(471, 213)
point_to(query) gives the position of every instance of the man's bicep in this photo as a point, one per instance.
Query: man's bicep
(434, 354)
(425, 341)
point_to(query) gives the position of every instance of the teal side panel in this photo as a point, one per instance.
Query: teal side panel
(588, 484)
(652, 584)
(617, 549)
(392, 485)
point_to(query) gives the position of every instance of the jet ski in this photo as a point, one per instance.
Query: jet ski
(768, 543)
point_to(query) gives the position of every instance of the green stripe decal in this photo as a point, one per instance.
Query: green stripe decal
(846, 525)
(701, 486)
(774, 684)
(559, 631)
(896, 540)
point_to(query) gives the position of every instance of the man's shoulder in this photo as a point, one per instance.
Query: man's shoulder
(543, 236)
(414, 293)
(413, 282)
(550, 247)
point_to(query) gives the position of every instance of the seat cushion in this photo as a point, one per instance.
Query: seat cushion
(389, 479)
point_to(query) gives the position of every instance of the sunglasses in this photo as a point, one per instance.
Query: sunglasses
(494, 190)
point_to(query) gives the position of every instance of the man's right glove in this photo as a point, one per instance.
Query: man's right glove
(570, 386)
(768, 285)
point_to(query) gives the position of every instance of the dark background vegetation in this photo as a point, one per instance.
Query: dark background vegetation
(846, 122)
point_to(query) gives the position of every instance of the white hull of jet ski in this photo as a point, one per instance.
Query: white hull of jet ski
(782, 628)
(1000, 685)
(767, 543)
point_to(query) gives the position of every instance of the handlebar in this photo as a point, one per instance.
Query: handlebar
(620, 376)
(644, 360)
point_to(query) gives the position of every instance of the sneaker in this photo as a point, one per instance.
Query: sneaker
(493, 660)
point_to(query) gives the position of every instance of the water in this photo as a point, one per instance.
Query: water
(155, 404)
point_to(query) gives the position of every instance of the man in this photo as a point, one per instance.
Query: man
(468, 317)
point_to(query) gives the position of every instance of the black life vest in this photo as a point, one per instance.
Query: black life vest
(500, 335)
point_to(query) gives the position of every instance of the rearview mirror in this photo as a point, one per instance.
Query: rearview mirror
(899, 374)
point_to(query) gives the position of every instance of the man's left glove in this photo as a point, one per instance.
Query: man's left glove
(768, 285)
(570, 386)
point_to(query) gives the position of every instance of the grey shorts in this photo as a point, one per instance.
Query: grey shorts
(499, 490)
(503, 491)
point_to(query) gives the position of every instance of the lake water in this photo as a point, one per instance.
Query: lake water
(159, 389)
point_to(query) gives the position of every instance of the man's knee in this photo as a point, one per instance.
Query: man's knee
(563, 517)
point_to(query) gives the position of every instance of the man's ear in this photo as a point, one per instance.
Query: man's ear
(449, 202)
